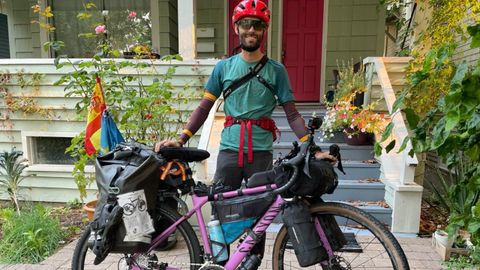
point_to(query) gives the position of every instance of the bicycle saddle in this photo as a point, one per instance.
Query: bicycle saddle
(187, 154)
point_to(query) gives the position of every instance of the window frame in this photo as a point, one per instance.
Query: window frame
(154, 18)
(28, 150)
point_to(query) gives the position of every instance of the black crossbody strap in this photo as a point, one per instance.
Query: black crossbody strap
(239, 82)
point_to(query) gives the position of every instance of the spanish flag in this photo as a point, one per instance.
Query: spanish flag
(94, 119)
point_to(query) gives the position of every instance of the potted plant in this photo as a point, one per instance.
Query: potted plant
(357, 124)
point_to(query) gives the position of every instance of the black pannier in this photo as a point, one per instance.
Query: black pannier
(323, 179)
(302, 233)
(238, 214)
(129, 168)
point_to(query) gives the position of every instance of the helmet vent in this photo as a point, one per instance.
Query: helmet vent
(241, 6)
(263, 9)
(253, 4)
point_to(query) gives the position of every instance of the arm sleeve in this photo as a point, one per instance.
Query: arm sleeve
(295, 120)
(198, 117)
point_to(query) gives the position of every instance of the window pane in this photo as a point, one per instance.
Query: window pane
(122, 31)
(51, 150)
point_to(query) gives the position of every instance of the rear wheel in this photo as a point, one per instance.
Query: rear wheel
(369, 244)
(184, 254)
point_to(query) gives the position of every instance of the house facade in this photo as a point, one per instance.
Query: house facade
(310, 37)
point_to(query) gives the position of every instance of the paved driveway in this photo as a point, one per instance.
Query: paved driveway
(418, 250)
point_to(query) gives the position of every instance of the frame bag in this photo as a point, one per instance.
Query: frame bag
(238, 214)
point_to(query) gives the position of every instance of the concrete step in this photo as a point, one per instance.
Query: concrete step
(281, 119)
(349, 152)
(358, 170)
(357, 190)
(376, 209)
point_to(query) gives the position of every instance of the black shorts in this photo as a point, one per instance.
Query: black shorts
(228, 172)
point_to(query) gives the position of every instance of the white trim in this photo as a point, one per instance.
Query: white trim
(44, 36)
(280, 31)
(269, 34)
(227, 26)
(186, 29)
(49, 61)
(323, 64)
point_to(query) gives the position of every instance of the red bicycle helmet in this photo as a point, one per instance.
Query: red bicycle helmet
(251, 8)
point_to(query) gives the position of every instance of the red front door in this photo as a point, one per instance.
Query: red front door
(302, 46)
(233, 41)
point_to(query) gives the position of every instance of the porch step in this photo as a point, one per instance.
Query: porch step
(353, 190)
(358, 170)
(349, 152)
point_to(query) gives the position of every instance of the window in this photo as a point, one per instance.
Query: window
(124, 30)
(50, 150)
(4, 45)
(47, 148)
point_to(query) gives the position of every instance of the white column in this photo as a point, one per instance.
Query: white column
(186, 29)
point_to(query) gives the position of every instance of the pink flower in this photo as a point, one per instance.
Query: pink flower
(100, 29)
(132, 14)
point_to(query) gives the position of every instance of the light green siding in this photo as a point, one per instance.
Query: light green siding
(210, 14)
(168, 13)
(54, 183)
(355, 31)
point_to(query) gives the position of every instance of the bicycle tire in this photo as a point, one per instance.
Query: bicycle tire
(281, 253)
(175, 257)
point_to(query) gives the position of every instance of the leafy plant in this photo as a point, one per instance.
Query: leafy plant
(30, 237)
(451, 128)
(351, 120)
(351, 82)
(11, 168)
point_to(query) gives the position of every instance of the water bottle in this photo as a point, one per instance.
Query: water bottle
(251, 262)
(219, 247)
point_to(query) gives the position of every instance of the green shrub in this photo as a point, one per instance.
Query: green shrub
(29, 237)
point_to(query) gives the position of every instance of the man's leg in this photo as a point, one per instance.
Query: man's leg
(227, 171)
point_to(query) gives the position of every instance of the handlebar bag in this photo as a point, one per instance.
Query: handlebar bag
(302, 233)
(238, 214)
(129, 168)
(323, 179)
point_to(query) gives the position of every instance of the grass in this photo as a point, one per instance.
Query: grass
(29, 237)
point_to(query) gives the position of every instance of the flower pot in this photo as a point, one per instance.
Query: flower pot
(442, 238)
(89, 208)
(134, 55)
(361, 138)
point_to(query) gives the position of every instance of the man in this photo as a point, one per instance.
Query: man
(246, 140)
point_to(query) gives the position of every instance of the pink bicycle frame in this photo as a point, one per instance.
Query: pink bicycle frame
(243, 249)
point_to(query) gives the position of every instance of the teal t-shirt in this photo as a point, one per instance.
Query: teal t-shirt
(252, 100)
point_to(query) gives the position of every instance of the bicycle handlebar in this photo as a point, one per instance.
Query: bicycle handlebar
(294, 163)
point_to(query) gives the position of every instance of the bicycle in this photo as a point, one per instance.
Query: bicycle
(367, 238)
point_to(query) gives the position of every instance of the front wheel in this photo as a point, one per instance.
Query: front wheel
(184, 254)
(369, 244)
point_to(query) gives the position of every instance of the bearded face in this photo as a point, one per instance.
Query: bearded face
(250, 40)
(251, 32)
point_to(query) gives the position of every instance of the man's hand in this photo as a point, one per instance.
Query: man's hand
(325, 155)
(166, 143)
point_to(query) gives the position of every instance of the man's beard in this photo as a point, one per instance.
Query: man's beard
(250, 47)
